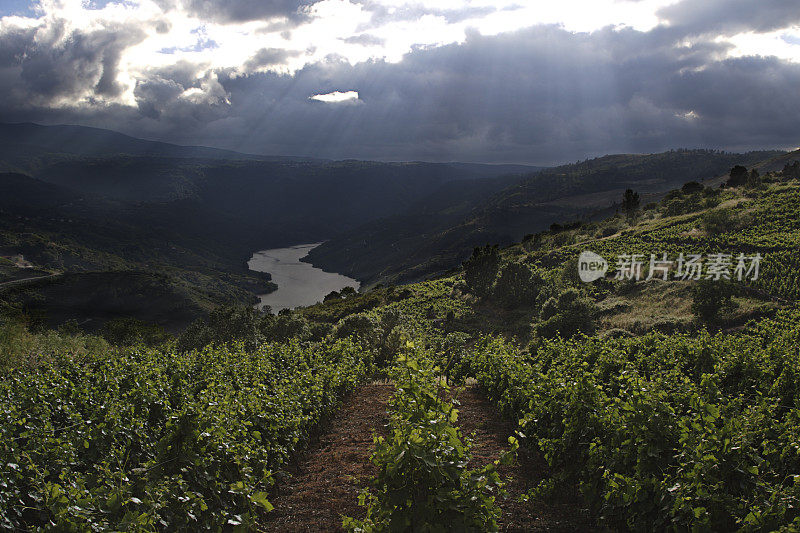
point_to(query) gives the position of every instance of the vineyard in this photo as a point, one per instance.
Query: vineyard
(692, 424)
(152, 440)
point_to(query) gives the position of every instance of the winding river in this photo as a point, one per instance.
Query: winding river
(299, 283)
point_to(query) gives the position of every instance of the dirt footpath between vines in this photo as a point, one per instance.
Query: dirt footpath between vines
(491, 432)
(326, 480)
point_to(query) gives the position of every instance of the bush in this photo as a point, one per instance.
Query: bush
(224, 326)
(568, 316)
(517, 285)
(480, 270)
(361, 327)
(718, 221)
(711, 299)
(692, 187)
(284, 327)
(130, 331)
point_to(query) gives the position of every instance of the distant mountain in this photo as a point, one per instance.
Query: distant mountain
(429, 240)
(83, 200)
(27, 139)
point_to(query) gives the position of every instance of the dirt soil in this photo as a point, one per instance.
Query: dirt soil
(490, 431)
(326, 481)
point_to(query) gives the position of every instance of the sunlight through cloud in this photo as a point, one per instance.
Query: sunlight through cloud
(336, 97)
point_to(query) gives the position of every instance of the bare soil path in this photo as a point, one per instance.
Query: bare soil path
(328, 478)
(490, 431)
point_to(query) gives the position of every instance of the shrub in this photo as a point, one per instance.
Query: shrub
(711, 299)
(718, 221)
(517, 285)
(224, 326)
(480, 270)
(569, 315)
(130, 331)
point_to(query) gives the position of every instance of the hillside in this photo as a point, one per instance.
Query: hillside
(81, 200)
(612, 405)
(431, 238)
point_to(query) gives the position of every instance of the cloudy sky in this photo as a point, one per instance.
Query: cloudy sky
(528, 81)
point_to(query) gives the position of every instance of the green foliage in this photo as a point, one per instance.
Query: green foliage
(568, 315)
(130, 331)
(630, 203)
(663, 432)
(147, 440)
(480, 270)
(22, 350)
(224, 325)
(423, 483)
(711, 299)
(718, 221)
(517, 285)
(284, 327)
(791, 170)
(361, 326)
(738, 176)
(692, 187)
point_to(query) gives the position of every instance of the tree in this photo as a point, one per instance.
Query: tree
(692, 187)
(362, 327)
(630, 203)
(480, 270)
(791, 170)
(568, 315)
(711, 299)
(517, 285)
(332, 296)
(738, 176)
(224, 325)
(753, 179)
(129, 331)
(718, 221)
(285, 326)
(348, 292)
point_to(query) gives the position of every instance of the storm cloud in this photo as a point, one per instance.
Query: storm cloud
(542, 94)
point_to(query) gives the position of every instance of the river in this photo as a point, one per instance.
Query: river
(299, 284)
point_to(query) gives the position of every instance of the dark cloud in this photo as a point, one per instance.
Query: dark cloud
(731, 16)
(541, 95)
(54, 63)
(246, 10)
(268, 57)
(555, 96)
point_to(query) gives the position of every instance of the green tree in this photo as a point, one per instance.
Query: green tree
(737, 177)
(224, 325)
(568, 315)
(753, 179)
(711, 300)
(286, 326)
(481, 269)
(130, 331)
(361, 326)
(718, 221)
(517, 285)
(692, 187)
(791, 170)
(630, 203)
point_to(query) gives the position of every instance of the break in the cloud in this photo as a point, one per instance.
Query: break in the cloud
(492, 80)
(337, 97)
